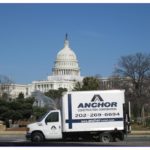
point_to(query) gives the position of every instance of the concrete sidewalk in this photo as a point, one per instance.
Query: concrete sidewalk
(24, 132)
(140, 132)
(12, 132)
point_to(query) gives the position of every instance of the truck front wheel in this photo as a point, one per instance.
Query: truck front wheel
(105, 137)
(37, 137)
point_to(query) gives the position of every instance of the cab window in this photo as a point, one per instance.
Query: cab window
(52, 117)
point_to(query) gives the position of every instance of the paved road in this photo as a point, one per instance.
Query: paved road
(19, 140)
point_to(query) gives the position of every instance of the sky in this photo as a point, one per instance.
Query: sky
(31, 35)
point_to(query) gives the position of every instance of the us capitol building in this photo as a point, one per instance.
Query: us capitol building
(65, 74)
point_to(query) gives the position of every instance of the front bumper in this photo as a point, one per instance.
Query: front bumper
(28, 136)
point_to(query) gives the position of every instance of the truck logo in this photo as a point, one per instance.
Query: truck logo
(96, 98)
(97, 102)
(53, 128)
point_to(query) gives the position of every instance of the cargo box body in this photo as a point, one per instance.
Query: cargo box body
(93, 111)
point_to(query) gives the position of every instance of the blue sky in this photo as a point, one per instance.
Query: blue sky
(32, 34)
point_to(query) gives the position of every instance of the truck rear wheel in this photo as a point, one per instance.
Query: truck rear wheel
(118, 136)
(37, 137)
(105, 137)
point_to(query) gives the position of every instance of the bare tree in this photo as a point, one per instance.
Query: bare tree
(6, 85)
(136, 68)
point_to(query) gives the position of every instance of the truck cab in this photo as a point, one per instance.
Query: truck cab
(47, 127)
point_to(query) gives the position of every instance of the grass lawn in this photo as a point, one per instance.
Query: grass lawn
(139, 127)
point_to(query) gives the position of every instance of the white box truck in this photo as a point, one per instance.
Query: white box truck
(90, 115)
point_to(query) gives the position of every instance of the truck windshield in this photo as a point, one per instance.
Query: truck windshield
(42, 117)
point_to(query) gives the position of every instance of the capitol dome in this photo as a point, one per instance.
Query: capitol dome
(66, 53)
(66, 62)
(65, 74)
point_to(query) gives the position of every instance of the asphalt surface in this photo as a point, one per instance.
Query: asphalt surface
(20, 140)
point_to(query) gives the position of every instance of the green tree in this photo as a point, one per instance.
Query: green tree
(20, 96)
(30, 100)
(89, 83)
(55, 94)
(16, 109)
(5, 96)
(12, 114)
(39, 112)
(78, 86)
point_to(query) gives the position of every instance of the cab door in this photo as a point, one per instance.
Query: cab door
(53, 129)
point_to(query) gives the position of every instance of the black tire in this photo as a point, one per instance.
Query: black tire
(119, 136)
(106, 137)
(37, 137)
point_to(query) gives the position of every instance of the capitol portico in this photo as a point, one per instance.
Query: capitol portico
(65, 74)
